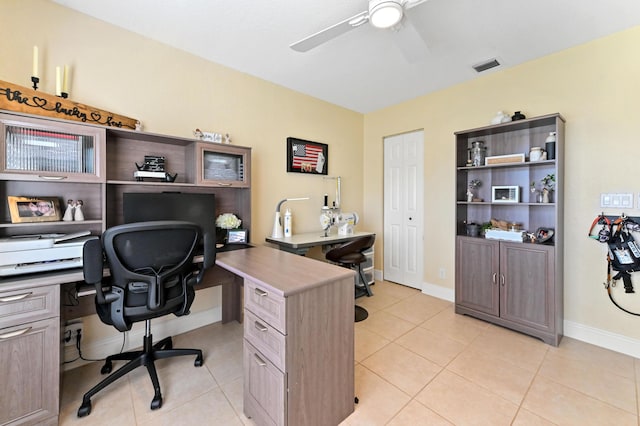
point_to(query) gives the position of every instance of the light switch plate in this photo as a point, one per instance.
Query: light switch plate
(626, 201)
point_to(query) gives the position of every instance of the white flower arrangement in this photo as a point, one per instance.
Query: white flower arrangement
(228, 221)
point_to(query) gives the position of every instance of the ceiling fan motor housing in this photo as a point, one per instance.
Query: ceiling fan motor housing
(385, 13)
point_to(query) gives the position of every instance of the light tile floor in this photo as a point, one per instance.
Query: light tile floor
(417, 363)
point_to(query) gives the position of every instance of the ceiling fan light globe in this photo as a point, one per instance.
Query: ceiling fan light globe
(385, 13)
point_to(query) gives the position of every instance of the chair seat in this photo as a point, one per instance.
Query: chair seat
(352, 258)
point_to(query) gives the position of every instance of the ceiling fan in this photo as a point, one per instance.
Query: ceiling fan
(383, 14)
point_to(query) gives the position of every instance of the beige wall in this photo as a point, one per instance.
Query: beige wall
(173, 92)
(595, 87)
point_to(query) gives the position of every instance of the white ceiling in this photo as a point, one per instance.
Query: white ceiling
(364, 69)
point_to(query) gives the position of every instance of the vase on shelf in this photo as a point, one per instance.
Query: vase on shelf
(518, 116)
(546, 196)
(550, 146)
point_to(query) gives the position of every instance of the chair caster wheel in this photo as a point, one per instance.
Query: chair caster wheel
(106, 368)
(198, 361)
(85, 409)
(156, 403)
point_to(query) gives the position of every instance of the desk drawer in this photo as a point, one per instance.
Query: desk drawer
(21, 306)
(264, 389)
(265, 304)
(266, 339)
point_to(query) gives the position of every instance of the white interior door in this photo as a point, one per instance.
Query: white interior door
(403, 208)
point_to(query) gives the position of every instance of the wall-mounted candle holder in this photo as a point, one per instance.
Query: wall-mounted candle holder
(35, 81)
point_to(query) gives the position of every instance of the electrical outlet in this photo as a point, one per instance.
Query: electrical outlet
(442, 273)
(71, 331)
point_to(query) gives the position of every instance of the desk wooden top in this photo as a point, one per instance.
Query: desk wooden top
(312, 239)
(285, 272)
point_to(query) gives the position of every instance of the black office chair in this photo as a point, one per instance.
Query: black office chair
(350, 255)
(152, 274)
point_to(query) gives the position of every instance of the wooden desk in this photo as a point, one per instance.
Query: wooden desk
(298, 337)
(301, 243)
(305, 306)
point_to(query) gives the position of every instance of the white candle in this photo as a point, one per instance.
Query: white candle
(58, 82)
(35, 61)
(65, 80)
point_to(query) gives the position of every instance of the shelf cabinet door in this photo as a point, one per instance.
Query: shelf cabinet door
(44, 150)
(29, 371)
(527, 294)
(222, 165)
(477, 274)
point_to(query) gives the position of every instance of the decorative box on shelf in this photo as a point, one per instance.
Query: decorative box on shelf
(500, 234)
(504, 159)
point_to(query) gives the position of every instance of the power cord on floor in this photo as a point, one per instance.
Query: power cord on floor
(79, 348)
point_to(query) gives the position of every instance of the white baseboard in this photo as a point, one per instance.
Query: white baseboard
(604, 339)
(584, 333)
(438, 291)
(168, 326)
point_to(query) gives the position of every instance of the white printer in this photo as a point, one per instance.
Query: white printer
(43, 252)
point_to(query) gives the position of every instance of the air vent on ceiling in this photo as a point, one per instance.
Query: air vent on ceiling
(492, 63)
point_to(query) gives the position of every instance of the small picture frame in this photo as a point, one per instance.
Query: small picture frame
(34, 209)
(307, 157)
(237, 236)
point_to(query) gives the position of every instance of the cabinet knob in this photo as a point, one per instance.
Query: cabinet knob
(502, 279)
(260, 327)
(494, 278)
(261, 292)
(14, 333)
(52, 177)
(259, 361)
(14, 297)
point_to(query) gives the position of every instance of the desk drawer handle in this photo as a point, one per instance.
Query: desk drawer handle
(261, 292)
(14, 298)
(260, 327)
(259, 361)
(14, 333)
(223, 184)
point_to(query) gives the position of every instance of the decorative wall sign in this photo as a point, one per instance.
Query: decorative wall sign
(27, 209)
(23, 99)
(307, 157)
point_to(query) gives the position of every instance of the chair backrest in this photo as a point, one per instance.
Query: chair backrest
(357, 245)
(152, 270)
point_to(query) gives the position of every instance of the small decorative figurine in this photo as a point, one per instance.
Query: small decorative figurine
(68, 213)
(78, 215)
(227, 138)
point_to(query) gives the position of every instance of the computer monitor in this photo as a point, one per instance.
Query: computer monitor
(191, 207)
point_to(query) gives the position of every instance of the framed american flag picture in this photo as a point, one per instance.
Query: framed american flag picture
(307, 157)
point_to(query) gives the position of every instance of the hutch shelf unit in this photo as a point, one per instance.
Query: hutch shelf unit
(513, 284)
(52, 158)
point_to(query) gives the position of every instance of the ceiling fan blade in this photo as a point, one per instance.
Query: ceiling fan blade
(410, 42)
(332, 32)
(413, 3)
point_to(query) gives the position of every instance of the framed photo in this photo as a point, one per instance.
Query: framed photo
(237, 236)
(307, 157)
(34, 209)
